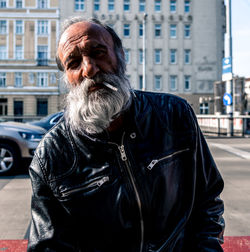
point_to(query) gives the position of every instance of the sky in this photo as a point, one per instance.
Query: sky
(241, 37)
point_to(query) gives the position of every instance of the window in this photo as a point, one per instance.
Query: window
(126, 30)
(18, 80)
(42, 79)
(96, 5)
(140, 82)
(18, 108)
(157, 56)
(140, 56)
(173, 31)
(157, 30)
(157, 82)
(187, 56)
(42, 55)
(127, 56)
(3, 52)
(19, 52)
(42, 4)
(141, 5)
(31, 78)
(2, 79)
(42, 107)
(111, 5)
(19, 26)
(187, 31)
(3, 106)
(173, 58)
(53, 78)
(187, 6)
(19, 4)
(140, 30)
(3, 4)
(172, 5)
(3, 26)
(187, 82)
(79, 5)
(42, 27)
(204, 109)
(126, 5)
(173, 82)
(157, 5)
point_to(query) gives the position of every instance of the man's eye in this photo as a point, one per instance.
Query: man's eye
(73, 64)
(98, 53)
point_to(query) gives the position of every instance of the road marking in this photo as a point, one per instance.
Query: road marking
(235, 151)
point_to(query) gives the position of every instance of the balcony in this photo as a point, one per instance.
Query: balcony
(42, 62)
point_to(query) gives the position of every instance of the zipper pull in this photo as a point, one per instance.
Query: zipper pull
(122, 152)
(152, 164)
(102, 181)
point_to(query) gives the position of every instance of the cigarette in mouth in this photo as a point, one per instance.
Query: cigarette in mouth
(110, 86)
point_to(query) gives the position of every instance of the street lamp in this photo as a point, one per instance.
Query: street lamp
(144, 52)
(228, 54)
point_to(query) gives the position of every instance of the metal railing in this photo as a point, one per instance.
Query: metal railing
(220, 124)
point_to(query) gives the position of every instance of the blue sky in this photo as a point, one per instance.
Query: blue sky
(241, 37)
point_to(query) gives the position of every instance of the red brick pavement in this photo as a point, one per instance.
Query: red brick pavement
(232, 244)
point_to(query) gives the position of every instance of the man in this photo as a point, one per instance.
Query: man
(123, 170)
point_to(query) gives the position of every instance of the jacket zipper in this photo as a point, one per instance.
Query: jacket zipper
(155, 161)
(124, 158)
(97, 183)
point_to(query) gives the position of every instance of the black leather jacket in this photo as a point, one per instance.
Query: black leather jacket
(155, 189)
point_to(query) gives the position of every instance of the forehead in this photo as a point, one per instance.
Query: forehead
(83, 32)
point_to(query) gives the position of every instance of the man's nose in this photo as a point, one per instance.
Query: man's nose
(89, 67)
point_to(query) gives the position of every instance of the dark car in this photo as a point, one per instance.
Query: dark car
(48, 121)
(18, 142)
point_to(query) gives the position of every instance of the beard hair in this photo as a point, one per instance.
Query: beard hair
(92, 112)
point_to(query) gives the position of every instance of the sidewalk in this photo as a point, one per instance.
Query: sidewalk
(15, 208)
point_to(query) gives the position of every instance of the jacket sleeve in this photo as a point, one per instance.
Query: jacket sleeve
(50, 228)
(207, 224)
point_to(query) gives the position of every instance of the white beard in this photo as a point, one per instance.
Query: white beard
(93, 111)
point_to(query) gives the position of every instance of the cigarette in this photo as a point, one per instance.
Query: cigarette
(110, 86)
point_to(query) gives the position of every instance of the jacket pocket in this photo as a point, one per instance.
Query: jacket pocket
(88, 187)
(165, 158)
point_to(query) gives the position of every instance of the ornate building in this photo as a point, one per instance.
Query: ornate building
(28, 74)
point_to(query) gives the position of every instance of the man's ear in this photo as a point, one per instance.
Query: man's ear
(59, 64)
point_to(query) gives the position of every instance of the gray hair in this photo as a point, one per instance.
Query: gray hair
(121, 64)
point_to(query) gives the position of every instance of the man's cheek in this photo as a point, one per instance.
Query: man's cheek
(72, 79)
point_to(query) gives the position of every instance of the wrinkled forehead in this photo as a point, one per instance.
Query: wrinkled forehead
(87, 30)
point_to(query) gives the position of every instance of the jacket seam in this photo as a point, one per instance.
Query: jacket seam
(42, 168)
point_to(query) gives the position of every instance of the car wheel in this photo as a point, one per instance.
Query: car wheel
(8, 159)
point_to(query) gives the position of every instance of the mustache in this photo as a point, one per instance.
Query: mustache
(106, 80)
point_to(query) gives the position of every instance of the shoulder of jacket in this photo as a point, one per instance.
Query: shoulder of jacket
(54, 150)
(163, 101)
(174, 113)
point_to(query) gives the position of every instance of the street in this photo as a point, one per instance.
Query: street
(232, 156)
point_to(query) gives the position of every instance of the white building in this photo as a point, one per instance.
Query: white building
(184, 42)
(28, 73)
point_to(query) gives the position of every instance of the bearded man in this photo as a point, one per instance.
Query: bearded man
(124, 170)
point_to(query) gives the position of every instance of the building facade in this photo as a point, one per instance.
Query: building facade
(184, 42)
(29, 78)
